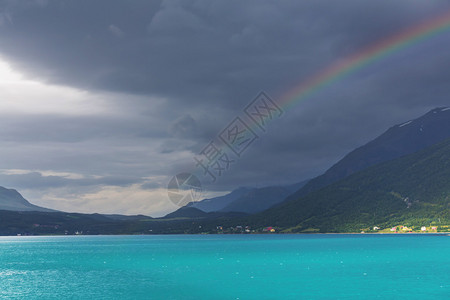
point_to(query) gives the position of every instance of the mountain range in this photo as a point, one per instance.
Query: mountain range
(399, 140)
(413, 190)
(400, 177)
(247, 200)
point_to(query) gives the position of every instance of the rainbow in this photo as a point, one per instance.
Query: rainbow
(369, 55)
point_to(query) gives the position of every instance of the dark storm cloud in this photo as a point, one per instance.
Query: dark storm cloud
(182, 70)
(212, 52)
(72, 129)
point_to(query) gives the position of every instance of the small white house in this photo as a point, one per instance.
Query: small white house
(423, 228)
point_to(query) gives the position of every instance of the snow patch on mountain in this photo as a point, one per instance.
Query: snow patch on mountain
(404, 124)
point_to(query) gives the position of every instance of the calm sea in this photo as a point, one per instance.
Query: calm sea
(226, 267)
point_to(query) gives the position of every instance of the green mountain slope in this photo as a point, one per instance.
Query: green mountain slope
(397, 141)
(413, 190)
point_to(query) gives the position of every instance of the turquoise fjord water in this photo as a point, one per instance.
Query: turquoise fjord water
(226, 267)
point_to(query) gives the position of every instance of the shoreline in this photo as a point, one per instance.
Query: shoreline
(239, 234)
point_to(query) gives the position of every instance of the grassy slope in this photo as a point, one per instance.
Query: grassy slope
(377, 196)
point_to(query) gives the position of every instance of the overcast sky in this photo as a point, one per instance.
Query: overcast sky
(102, 102)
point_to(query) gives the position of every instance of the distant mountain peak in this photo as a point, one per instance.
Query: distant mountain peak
(11, 199)
(399, 140)
(245, 199)
(431, 114)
